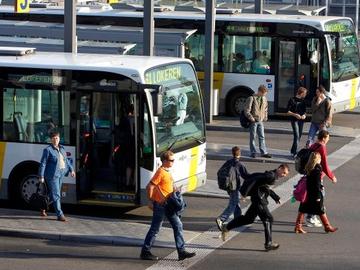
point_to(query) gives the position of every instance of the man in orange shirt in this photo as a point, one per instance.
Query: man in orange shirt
(161, 187)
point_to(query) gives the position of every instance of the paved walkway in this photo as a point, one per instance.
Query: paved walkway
(114, 231)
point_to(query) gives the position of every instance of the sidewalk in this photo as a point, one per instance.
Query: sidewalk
(23, 223)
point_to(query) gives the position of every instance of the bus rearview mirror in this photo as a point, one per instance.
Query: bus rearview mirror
(157, 101)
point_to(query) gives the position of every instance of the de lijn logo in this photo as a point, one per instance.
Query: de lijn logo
(22, 6)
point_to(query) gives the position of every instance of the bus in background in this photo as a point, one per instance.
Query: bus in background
(116, 115)
(281, 52)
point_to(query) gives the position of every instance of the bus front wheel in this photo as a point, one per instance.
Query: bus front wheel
(236, 103)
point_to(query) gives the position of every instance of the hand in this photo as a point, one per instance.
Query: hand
(298, 116)
(303, 117)
(72, 174)
(41, 180)
(317, 200)
(334, 180)
(278, 202)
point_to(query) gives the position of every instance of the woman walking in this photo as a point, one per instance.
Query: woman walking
(314, 203)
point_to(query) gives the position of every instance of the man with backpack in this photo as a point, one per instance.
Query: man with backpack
(229, 179)
(257, 187)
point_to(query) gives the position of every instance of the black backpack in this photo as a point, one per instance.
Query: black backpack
(227, 176)
(244, 121)
(302, 158)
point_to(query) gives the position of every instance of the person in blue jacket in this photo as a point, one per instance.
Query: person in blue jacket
(53, 166)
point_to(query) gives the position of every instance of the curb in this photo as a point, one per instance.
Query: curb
(250, 159)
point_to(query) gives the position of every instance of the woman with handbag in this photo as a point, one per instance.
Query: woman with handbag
(159, 189)
(314, 203)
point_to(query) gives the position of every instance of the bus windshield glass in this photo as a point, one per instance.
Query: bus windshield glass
(344, 50)
(181, 122)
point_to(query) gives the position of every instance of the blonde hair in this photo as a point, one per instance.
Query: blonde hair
(314, 159)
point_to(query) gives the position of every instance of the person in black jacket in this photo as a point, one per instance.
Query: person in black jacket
(234, 195)
(297, 112)
(259, 192)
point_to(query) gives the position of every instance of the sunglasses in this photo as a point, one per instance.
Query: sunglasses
(171, 160)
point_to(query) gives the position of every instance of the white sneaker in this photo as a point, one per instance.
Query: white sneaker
(313, 222)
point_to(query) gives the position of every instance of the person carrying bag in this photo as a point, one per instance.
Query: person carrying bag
(160, 188)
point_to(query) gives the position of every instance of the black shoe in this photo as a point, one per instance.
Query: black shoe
(253, 155)
(147, 255)
(271, 246)
(266, 155)
(185, 255)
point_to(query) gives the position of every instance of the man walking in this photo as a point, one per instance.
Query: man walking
(256, 110)
(259, 190)
(162, 185)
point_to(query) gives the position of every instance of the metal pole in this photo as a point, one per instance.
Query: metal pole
(327, 7)
(343, 9)
(258, 6)
(357, 17)
(148, 47)
(209, 59)
(70, 26)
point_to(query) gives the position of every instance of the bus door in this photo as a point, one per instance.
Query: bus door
(286, 73)
(107, 150)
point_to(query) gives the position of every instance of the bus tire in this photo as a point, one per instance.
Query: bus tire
(236, 103)
(24, 183)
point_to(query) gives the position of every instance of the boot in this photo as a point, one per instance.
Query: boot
(327, 227)
(269, 245)
(299, 222)
(185, 255)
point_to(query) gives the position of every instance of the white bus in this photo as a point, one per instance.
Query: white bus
(116, 115)
(282, 52)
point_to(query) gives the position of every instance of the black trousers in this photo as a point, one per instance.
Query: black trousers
(255, 209)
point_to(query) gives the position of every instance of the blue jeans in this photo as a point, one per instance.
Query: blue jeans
(297, 127)
(257, 129)
(157, 219)
(54, 186)
(233, 206)
(314, 128)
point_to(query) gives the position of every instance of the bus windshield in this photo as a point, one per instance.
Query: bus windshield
(181, 122)
(344, 50)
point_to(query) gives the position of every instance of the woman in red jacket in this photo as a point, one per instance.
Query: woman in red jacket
(320, 147)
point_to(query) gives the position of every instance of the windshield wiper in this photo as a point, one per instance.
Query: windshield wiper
(181, 138)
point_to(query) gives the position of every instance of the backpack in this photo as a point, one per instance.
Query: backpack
(300, 190)
(302, 158)
(227, 176)
(244, 121)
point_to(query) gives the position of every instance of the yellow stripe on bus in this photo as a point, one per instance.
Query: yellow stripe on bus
(2, 155)
(217, 83)
(354, 83)
(193, 168)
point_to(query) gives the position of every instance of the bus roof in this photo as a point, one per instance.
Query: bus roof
(314, 21)
(128, 65)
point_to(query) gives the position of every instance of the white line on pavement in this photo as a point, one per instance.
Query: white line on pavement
(208, 241)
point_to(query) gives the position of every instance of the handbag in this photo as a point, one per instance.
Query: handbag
(300, 190)
(38, 200)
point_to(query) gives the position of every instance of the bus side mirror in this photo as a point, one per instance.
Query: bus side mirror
(157, 101)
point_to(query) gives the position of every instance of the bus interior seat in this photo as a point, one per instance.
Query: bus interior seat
(20, 126)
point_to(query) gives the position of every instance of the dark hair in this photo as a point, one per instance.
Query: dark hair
(166, 155)
(54, 133)
(284, 166)
(235, 151)
(323, 134)
(321, 89)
